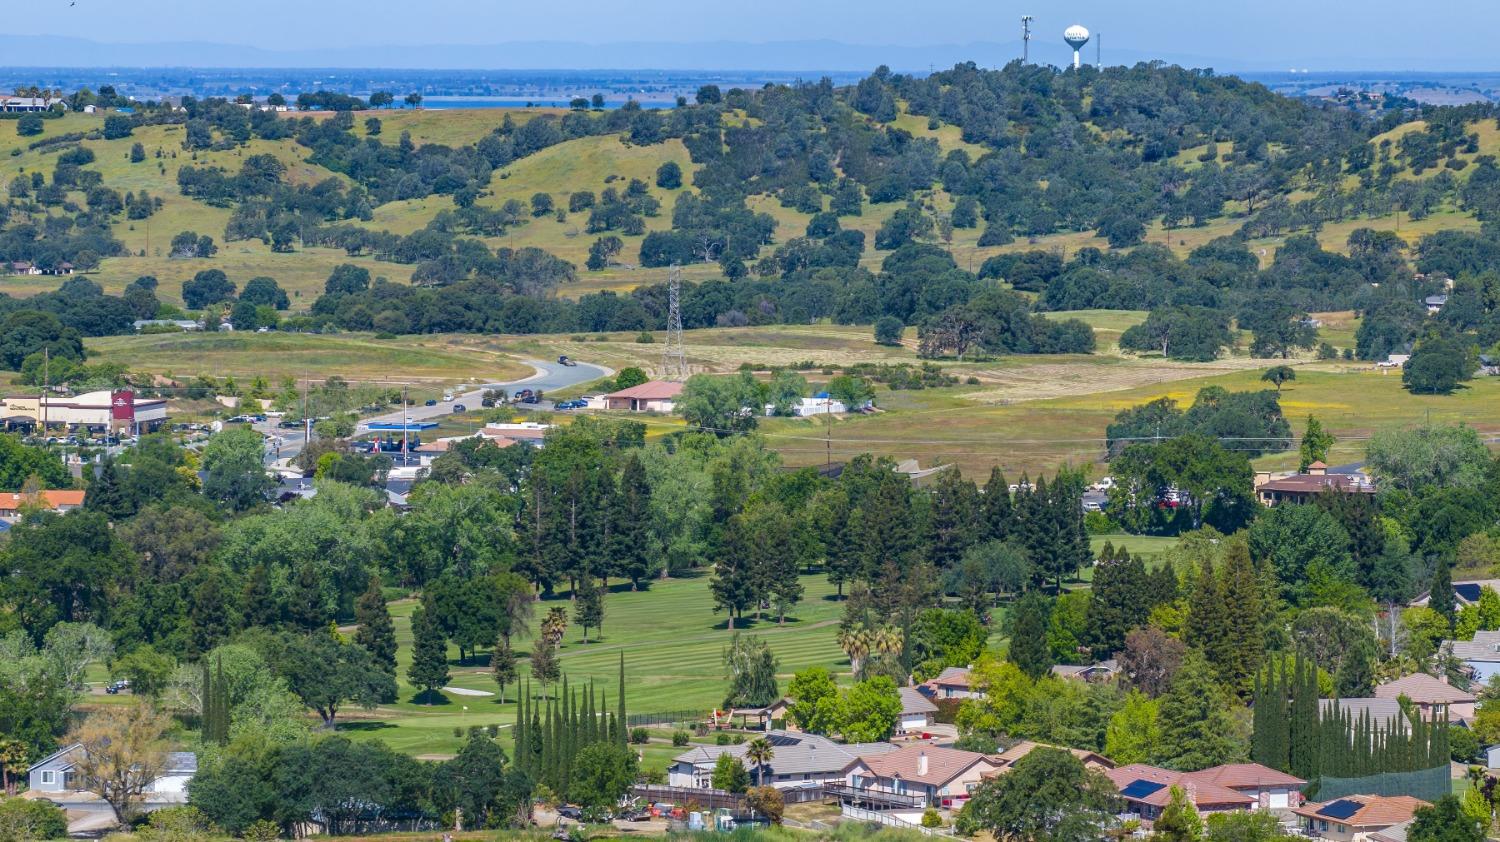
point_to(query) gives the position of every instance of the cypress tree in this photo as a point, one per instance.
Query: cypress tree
(1305, 734)
(1442, 599)
(206, 693)
(619, 724)
(519, 731)
(106, 494)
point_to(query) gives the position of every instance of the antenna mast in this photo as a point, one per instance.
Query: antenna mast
(673, 357)
(1025, 38)
(1099, 50)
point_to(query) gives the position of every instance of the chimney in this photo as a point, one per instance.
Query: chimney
(922, 763)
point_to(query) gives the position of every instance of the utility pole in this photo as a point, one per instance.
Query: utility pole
(828, 436)
(1025, 38)
(405, 428)
(306, 421)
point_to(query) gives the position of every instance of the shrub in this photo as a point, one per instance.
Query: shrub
(931, 818)
(679, 738)
(888, 331)
(639, 736)
(24, 819)
(644, 338)
(721, 739)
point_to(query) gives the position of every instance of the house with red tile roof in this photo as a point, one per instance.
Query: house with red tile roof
(1147, 789)
(1232, 786)
(1356, 818)
(929, 774)
(59, 500)
(651, 396)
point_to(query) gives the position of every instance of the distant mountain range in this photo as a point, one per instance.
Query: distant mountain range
(783, 56)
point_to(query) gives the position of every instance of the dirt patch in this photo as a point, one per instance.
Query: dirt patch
(1042, 381)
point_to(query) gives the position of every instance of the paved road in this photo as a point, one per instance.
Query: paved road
(550, 376)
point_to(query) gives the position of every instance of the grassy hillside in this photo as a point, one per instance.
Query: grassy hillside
(591, 163)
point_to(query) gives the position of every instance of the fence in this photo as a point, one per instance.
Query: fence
(710, 799)
(889, 820)
(670, 717)
(1427, 784)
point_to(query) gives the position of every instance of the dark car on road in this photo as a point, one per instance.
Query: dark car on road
(430, 402)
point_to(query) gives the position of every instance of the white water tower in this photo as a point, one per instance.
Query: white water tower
(1076, 36)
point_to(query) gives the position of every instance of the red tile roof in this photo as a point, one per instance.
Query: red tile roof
(1204, 793)
(1378, 810)
(649, 391)
(1246, 775)
(11, 501)
(943, 764)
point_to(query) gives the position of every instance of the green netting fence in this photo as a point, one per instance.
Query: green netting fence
(1427, 784)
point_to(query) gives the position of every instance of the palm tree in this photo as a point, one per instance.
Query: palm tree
(759, 752)
(855, 641)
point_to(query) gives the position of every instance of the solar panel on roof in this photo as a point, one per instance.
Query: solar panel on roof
(1140, 788)
(780, 740)
(1341, 809)
(1468, 590)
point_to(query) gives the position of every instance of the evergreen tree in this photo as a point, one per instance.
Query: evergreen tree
(588, 607)
(1161, 586)
(1197, 730)
(1315, 444)
(620, 721)
(1305, 732)
(951, 529)
(429, 656)
(106, 494)
(261, 609)
(1118, 601)
(544, 666)
(306, 608)
(632, 531)
(1030, 618)
(1442, 599)
(521, 731)
(503, 667)
(1203, 628)
(1239, 643)
(995, 510)
(1179, 820)
(376, 632)
(734, 579)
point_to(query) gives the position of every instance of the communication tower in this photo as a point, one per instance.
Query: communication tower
(673, 356)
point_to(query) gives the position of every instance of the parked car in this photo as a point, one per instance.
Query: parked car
(573, 404)
(430, 402)
(458, 407)
(114, 687)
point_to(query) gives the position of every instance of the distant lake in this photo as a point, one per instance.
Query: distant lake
(448, 103)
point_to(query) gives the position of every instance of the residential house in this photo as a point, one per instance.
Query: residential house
(797, 760)
(1304, 488)
(1481, 655)
(917, 712)
(526, 432)
(1272, 790)
(22, 267)
(1357, 817)
(1465, 592)
(1492, 757)
(1381, 712)
(1435, 303)
(1011, 756)
(1102, 671)
(1146, 791)
(651, 396)
(56, 774)
(15, 104)
(1430, 695)
(931, 775)
(951, 683)
(819, 404)
(52, 500)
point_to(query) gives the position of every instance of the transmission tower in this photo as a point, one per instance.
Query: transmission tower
(673, 357)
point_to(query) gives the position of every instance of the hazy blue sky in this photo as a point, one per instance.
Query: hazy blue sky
(1315, 33)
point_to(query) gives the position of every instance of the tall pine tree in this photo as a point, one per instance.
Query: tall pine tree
(376, 632)
(1029, 649)
(429, 657)
(995, 511)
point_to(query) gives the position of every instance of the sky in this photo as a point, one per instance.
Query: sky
(1316, 34)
